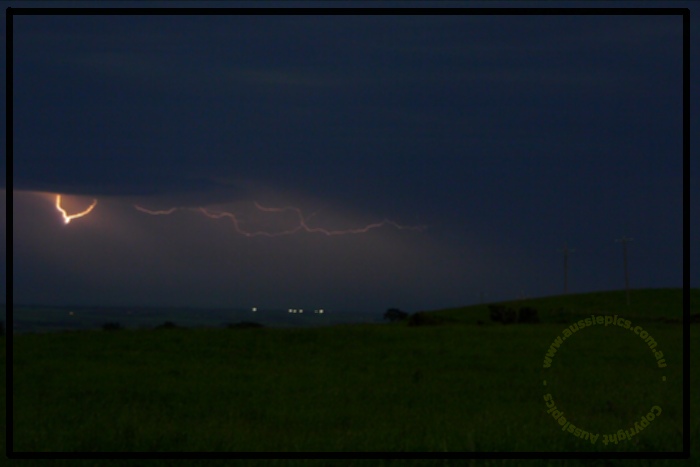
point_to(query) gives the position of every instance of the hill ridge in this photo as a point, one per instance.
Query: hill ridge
(656, 304)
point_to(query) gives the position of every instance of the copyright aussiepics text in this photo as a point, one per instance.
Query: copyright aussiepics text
(607, 321)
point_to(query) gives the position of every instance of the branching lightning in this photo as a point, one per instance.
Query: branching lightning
(66, 217)
(300, 224)
(303, 225)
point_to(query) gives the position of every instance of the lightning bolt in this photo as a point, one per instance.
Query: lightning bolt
(155, 213)
(301, 223)
(243, 232)
(66, 217)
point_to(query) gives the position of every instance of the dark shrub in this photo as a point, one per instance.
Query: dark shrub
(167, 325)
(502, 314)
(244, 325)
(509, 316)
(528, 315)
(423, 319)
(496, 312)
(394, 314)
(695, 318)
(2, 328)
(111, 326)
(480, 323)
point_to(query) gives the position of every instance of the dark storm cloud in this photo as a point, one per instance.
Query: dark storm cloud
(176, 100)
(506, 135)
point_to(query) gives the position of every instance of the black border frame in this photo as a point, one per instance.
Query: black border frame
(148, 11)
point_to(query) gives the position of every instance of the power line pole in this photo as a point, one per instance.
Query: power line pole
(566, 252)
(624, 241)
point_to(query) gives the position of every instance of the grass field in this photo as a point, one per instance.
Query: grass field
(443, 389)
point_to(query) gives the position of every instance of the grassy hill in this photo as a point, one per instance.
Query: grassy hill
(372, 387)
(645, 305)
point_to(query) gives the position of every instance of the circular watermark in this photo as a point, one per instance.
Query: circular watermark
(633, 428)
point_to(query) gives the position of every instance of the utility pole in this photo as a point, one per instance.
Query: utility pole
(566, 252)
(624, 241)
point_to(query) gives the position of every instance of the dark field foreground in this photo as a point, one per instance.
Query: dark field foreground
(443, 389)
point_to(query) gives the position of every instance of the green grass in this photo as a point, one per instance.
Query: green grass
(440, 389)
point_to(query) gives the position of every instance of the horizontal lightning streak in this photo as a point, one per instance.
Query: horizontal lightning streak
(302, 222)
(155, 213)
(243, 232)
(304, 225)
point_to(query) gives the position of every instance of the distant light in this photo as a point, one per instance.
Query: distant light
(289, 311)
(301, 311)
(321, 311)
(255, 309)
(70, 313)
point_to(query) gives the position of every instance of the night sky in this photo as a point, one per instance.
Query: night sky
(396, 161)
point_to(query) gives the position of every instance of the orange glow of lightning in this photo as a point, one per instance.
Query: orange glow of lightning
(66, 217)
(301, 224)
